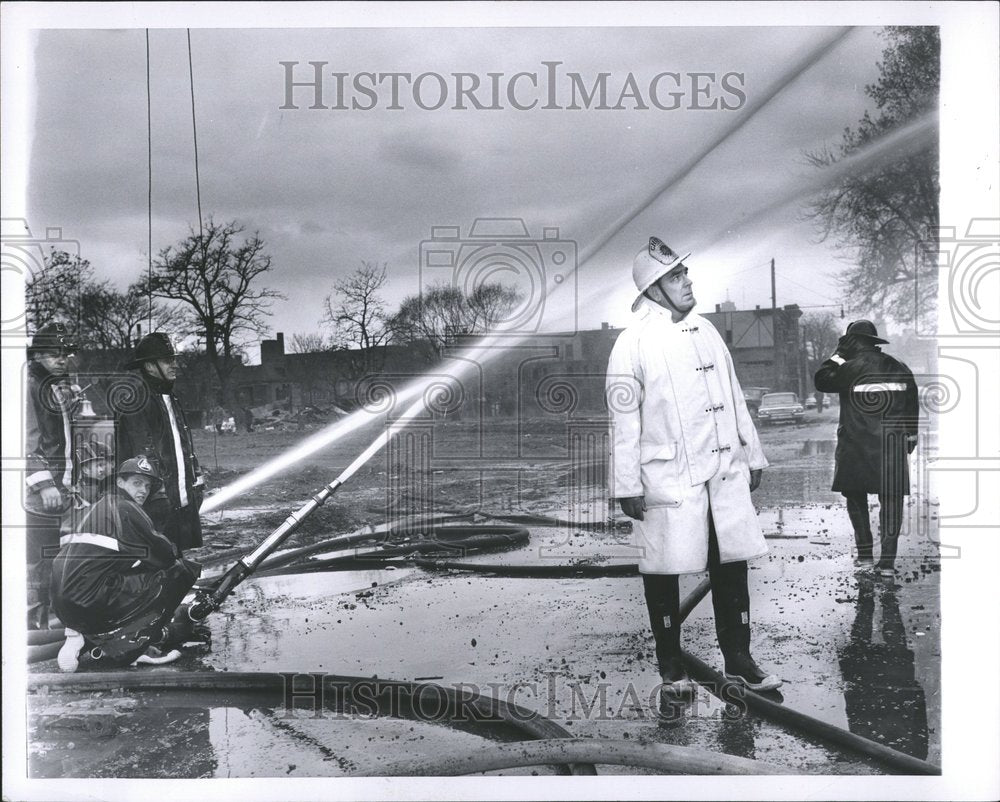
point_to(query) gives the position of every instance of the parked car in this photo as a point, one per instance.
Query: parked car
(776, 407)
(752, 396)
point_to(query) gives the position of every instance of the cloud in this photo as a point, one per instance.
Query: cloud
(328, 188)
(414, 151)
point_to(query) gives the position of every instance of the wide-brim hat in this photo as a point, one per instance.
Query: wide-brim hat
(54, 337)
(867, 331)
(655, 260)
(91, 451)
(155, 345)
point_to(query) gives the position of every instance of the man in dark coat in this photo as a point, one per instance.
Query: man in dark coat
(49, 465)
(116, 569)
(879, 414)
(159, 431)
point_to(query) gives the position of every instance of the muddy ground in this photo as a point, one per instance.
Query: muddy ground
(857, 652)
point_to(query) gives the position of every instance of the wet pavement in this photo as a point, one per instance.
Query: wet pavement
(855, 651)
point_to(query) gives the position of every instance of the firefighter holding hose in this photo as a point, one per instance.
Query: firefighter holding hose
(159, 430)
(117, 582)
(685, 458)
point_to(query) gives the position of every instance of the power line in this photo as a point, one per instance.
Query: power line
(747, 269)
(149, 197)
(804, 287)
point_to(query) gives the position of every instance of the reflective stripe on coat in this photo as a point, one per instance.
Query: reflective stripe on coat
(879, 409)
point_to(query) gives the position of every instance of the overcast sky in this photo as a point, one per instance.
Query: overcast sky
(329, 188)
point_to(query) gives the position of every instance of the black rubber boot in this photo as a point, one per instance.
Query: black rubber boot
(731, 604)
(662, 594)
(887, 561)
(890, 522)
(857, 511)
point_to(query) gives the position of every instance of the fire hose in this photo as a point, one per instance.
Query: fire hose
(715, 681)
(424, 701)
(661, 757)
(708, 677)
(445, 538)
(793, 720)
(147, 631)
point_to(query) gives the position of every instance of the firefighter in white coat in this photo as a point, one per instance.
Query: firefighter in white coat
(685, 458)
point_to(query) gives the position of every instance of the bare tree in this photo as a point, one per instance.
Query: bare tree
(110, 319)
(356, 314)
(308, 343)
(101, 316)
(54, 292)
(820, 333)
(442, 315)
(215, 277)
(490, 304)
(885, 220)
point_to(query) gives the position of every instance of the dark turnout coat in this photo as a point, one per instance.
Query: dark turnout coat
(116, 567)
(879, 409)
(48, 414)
(159, 430)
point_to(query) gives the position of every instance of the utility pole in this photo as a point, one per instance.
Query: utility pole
(778, 354)
(774, 304)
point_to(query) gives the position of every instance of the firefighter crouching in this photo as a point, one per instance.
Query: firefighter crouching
(117, 582)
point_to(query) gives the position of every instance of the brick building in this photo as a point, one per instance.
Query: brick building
(766, 345)
(550, 374)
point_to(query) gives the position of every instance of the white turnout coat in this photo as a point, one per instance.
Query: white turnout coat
(683, 438)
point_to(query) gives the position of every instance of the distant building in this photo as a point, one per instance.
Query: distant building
(320, 378)
(766, 345)
(560, 373)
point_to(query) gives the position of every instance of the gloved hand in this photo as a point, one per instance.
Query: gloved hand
(51, 498)
(847, 346)
(177, 632)
(755, 477)
(197, 495)
(633, 507)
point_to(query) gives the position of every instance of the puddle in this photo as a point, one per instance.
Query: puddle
(166, 735)
(853, 652)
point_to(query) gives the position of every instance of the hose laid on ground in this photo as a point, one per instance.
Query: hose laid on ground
(547, 520)
(402, 526)
(45, 651)
(712, 679)
(800, 722)
(277, 560)
(444, 538)
(359, 691)
(541, 571)
(39, 637)
(727, 690)
(661, 757)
